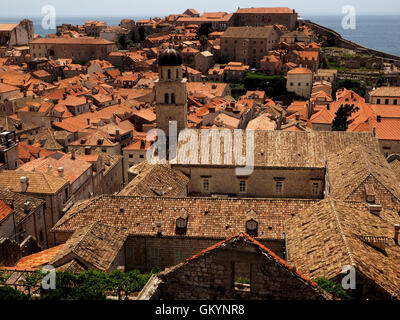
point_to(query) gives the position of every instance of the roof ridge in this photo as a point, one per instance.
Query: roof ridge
(332, 205)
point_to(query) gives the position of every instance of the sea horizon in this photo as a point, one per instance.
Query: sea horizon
(371, 30)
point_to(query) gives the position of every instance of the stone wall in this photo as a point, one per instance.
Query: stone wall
(297, 184)
(212, 277)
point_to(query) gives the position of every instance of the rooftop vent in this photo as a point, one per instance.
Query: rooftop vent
(375, 209)
(24, 183)
(61, 172)
(27, 207)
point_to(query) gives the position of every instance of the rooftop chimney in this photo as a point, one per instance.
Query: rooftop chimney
(61, 172)
(397, 233)
(24, 183)
(49, 169)
(73, 154)
(88, 150)
(27, 207)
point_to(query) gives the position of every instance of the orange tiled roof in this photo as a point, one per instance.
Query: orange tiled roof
(38, 259)
(277, 10)
(4, 211)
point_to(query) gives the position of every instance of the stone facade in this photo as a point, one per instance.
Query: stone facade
(266, 16)
(249, 44)
(19, 34)
(76, 48)
(214, 275)
(264, 183)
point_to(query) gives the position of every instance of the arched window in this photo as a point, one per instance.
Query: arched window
(172, 98)
(169, 73)
(166, 98)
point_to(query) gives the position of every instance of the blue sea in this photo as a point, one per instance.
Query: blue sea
(377, 32)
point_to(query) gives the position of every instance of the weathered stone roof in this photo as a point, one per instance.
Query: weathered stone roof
(275, 148)
(207, 217)
(155, 180)
(333, 233)
(95, 245)
(349, 168)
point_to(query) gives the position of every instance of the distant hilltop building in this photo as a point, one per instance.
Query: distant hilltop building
(83, 48)
(266, 16)
(16, 34)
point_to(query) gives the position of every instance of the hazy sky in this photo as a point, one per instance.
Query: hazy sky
(131, 8)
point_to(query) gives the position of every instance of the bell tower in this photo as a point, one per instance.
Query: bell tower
(170, 92)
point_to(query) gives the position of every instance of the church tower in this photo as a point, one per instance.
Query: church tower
(170, 92)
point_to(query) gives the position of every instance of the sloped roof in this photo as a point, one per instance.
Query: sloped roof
(274, 10)
(282, 149)
(207, 217)
(95, 245)
(38, 259)
(332, 234)
(39, 182)
(73, 169)
(349, 168)
(18, 201)
(155, 180)
(5, 210)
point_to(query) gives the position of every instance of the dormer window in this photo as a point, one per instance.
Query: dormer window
(369, 193)
(182, 221)
(251, 225)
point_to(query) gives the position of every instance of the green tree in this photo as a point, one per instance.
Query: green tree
(222, 59)
(122, 41)
(204, 30)
(341, 121)
(380, 81)
(354, 85)
(272, 85)
(32, 280)
(10, 294)
(203, 41)
(330, 39)
(333, 287)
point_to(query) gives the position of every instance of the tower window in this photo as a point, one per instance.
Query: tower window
(169, 73)
(177, 73)
(166, 98)
(242, 186)
(279, 187)
(172, 98)
(206, 185)
(315, 188)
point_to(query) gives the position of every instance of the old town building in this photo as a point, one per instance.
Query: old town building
(79, 49)
(249, 44)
